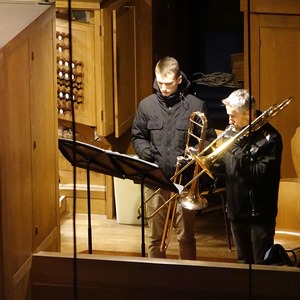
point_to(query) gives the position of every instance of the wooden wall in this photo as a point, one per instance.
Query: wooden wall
(107, 277)
(28, 133)
(273, 42)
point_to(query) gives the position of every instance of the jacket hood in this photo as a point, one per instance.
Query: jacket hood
(182, 88)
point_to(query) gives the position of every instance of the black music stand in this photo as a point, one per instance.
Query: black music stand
(111, 163)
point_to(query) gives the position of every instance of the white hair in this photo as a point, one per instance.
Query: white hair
(239, 101)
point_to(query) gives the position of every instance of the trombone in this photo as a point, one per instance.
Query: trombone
(192, 200)
(206, 162)
(188, 198)
(189, 160)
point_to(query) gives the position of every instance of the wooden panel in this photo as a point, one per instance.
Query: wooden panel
(272, 6)
(66, 174)
(98, 205)
(24, 94)
(79, 4)
(274, 40)
(97, 185)
(144, 70)
(124, 67)
(278, 79)
(128, 278)
(295, 149)
(288, 222)
(85, 134)
(44, 135)
(16, 151)
(104, 73)
(289, 207)
(110, 201)
(22, 282)
(280, 57)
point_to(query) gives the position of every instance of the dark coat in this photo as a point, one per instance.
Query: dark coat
(252, 179)
(159, 130)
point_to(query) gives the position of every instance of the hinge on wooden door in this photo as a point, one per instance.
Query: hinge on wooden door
(32, 55)
(102, 115)
(100, 30)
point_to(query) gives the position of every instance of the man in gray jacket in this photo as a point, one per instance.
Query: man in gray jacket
(159, 134)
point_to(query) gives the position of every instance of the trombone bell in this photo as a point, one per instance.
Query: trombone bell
(192, 202)
(206, 162)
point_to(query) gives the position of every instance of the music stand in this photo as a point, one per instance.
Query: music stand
(115, 164)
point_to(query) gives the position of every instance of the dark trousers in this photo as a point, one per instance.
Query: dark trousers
(252, 241)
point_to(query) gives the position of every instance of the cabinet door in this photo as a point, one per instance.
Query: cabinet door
(16, 158)
(44, 135)
(104, 73)
(277, 61)
(125, 101)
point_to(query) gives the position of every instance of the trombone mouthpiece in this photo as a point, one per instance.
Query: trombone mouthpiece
(233, 128)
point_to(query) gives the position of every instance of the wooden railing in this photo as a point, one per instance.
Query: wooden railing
(111, 277)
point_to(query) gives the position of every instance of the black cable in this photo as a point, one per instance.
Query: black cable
(250, 119)
(74, 149)
(249, 63)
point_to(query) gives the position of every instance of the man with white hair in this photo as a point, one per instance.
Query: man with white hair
(252, 171)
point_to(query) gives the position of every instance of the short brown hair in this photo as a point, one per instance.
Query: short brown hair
(168, 65)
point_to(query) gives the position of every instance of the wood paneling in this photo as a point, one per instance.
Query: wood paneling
(43, 133)
(272, 6)
(135, 278)
(16, 159)
(28, 131)
(124, 32)
(274, 40)
(101, 184)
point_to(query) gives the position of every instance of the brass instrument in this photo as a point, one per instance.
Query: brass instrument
(192, 199)
(206, 162)
(190, 160)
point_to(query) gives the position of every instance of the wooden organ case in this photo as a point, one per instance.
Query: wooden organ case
(28, 130)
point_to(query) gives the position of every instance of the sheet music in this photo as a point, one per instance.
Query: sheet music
(134, 157)
(179, 187)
